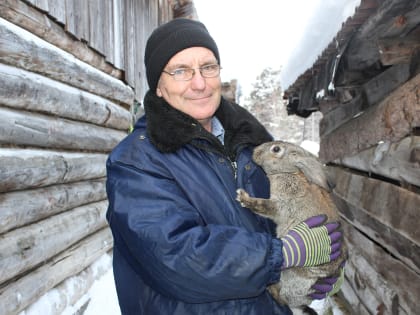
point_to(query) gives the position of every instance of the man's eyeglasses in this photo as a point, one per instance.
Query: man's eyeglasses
(186, 74)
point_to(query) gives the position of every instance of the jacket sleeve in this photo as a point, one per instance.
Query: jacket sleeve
(167, 243)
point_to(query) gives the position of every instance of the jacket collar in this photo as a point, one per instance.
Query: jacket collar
(169, 129)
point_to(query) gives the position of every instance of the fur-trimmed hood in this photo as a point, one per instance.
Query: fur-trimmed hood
(169, 129)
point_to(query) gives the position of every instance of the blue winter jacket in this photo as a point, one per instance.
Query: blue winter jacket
(182, 243)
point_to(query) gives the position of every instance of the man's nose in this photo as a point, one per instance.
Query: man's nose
(198, 82)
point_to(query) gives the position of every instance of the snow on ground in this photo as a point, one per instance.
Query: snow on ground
(103, 297)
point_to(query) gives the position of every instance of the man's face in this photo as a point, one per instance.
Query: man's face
(198, 97)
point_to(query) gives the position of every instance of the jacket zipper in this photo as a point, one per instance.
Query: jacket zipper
(234, 167)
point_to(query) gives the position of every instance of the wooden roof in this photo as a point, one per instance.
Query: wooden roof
(363, 47)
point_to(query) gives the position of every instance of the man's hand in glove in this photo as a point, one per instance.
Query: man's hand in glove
(311, 243)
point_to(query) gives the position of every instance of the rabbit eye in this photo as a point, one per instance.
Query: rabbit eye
(275, 149)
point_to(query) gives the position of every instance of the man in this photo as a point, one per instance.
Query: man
(182, 243)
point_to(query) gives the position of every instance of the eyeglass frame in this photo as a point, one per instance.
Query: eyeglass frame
(192, 71)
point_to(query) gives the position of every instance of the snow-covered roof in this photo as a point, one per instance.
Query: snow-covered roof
(320, 31)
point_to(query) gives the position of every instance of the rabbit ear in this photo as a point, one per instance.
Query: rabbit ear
(314, 172)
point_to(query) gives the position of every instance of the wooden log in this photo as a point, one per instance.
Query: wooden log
(390, 160)
(404, 281)
(25, 90)
(72, 290)
(23, 207)
(23, 168)
(27, 247)
(22, 49)
(376, 207)
(36, 22)
(391, 120)
(32, 129)
(19, 294)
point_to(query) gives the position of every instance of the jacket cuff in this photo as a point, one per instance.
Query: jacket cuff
(275, 260)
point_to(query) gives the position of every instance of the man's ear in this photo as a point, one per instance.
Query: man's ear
(158, 92)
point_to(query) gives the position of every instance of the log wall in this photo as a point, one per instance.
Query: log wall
(70, 71)
(370, 138)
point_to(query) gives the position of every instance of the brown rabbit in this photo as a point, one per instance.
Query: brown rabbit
(298, 190)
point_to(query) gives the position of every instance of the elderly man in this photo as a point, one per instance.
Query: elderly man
(182, 243)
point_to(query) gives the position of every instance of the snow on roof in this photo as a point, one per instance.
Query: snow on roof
(321, 28)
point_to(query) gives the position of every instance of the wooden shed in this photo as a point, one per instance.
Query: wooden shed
(366, 84)
(70, 72)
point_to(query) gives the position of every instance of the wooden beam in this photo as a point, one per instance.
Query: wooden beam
(23, 207)
(22, 169)
(386, 213)
(22, 49)
(390, 160)
(393, 119)
(26, 90)
(19, 294)
(32, 129)
(29, 246)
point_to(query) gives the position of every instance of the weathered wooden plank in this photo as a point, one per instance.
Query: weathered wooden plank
(404, 281)
(22, 49)
(353, 300)
(130, 45)
(371, 289)
(391, 160)
(362, 53)
(40, 4)
(70, 291)
(391, 120)
(108, 31)
(397, 50)
(57, 9)
(23, 207)
(77, 19)
(26, 90)
(24, 168)
(406, 19)
(32, 129)
(27, 17)
(376, 207)
(24, 248)
(118, 40)
(341, 114)
(383, 84)
(96, 11)
(19, 294)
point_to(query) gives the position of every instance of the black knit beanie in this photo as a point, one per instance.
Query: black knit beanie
(169, 39)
